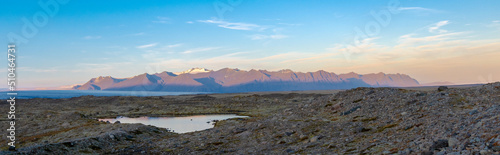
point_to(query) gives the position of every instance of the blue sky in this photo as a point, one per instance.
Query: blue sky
(454, 41)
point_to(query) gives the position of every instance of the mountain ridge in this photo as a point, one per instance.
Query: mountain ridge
(229, 80)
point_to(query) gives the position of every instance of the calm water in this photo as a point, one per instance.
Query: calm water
(75, 93)
(177, 124)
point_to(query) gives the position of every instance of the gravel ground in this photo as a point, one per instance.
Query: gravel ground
(356, 121)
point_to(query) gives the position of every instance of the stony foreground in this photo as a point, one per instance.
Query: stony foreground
(357, 121)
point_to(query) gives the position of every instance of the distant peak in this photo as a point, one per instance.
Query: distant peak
(102, 78)
(194, 71)
(286, 71)
(229, 69)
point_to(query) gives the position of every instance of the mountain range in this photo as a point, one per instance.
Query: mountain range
(229, 80)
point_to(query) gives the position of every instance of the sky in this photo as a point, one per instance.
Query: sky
(66, 42)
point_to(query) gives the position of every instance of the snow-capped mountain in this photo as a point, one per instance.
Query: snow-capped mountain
(234, 80)
(194, 71)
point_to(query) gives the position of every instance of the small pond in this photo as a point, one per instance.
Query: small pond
(177, 124)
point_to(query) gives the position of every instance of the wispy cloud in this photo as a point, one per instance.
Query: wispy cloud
(158, 52)
(174, 45)
(425, 57)
(161, 20)
(419, 11)
(91, 37)
(494, 24)
(195, 50)
(103, 68)
(364, 46)
(436, 27)
(244, 60)
(169, 47)
(268, 32)
(38, 70)
(414, 8)
(147, 45)
(236, 53)
(274, 35)
(233, 26)
(410, 39)
(261, 36)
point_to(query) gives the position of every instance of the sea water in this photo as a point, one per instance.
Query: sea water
(177, 124)
(56, 94)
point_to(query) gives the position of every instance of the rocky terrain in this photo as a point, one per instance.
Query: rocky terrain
(356, 121)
